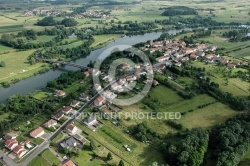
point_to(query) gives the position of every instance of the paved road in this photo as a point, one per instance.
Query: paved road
(9, 162)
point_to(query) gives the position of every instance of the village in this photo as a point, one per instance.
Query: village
(170, 54)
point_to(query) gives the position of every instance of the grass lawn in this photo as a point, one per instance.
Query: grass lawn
(6, 49)
(101, 40)
(38, 161)
(40, 95)
(58, 137)
(207, 117)
(47, 154)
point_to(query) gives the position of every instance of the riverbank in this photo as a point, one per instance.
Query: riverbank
(17, 67)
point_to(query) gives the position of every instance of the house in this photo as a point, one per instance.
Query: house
(19, 151)
(131, 78)
(50, 123)
(67, 162)
(10, 136)
(59, 93)
(178, 64)
(231, 65)
(86, 73)
(99, 101)
(97, 87)
(69, 143)
(116, 87)
(109, 95)
(122, 82)
(137, 66)
(194, 56)
(71, 128)
(90, 120)
(67, 109)
(11, 144)
(58, 115)
(189, 50)
(168, 64)
(108, 78)
(124, 66)
(211, 48)
(37, 132)
(200, 53)
(84, 97)
(185, 59)
(162, 58)
(74, 103)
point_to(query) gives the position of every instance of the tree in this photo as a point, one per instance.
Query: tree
(109, 156)
(121, 163)
(2, 64)
(92, 145)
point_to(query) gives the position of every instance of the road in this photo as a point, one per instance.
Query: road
(7, 161)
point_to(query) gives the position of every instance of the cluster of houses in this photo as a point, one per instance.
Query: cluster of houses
(91, 14)
(43, 12)
(175, 53)
(18, 149)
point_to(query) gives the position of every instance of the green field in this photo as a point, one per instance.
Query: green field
(245, 161)
(17, 66)
(207, 117)
(38, 161)
(235, 86)
(49, 156)
(101, 40)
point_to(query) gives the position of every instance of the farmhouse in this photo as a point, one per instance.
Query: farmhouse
(37, 132)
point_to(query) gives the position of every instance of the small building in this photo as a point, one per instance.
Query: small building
(59, 93)
(37, 132)
(67, 109)
(178, 64)
(162, 58)
(67, 162)
(86, 73)
(231, 65)
(10, 136)
(58, 115)
(71, 128)
(99, 101)
(84, 97)
(19, 151)
(194, 56)
(69, 143)
(74, 103)
(50, 123)
(97, 87)
(91, 120)
(11, 144)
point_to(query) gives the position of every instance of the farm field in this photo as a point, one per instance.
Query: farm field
(114, 138)
(235, 86)
(207, 117)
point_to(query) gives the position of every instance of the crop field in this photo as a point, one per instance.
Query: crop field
(207, 117)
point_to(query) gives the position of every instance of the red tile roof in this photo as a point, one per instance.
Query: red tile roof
(36, 132)
(67, 163)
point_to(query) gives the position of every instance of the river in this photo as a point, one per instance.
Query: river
(38, 82)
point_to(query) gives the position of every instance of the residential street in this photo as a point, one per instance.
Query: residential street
(9, 162)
